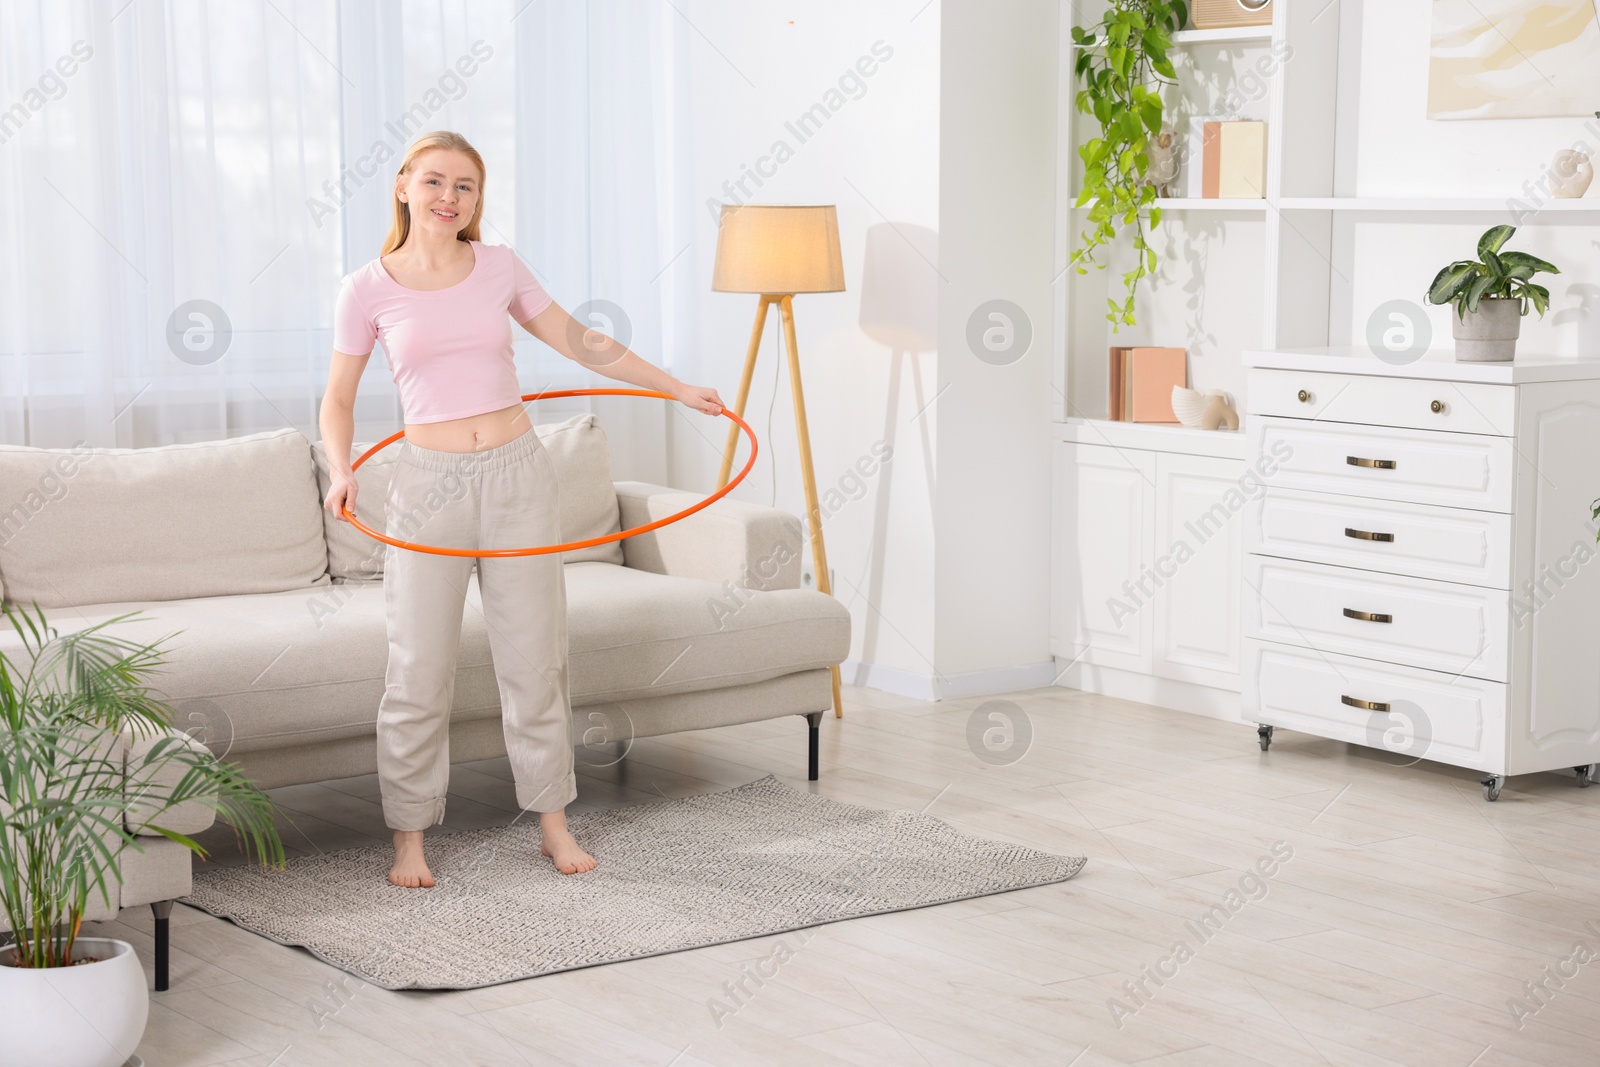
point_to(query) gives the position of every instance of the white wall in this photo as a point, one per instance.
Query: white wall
(1401, 152)
(997, 230)
(943, 172)
(754, 68)
(1398, 151)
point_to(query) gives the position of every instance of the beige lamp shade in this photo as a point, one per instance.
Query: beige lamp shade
(778, 248)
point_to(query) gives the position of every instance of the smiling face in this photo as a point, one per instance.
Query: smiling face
(442, 191)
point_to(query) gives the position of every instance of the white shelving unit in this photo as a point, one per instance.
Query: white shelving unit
(1202, 57)
(1293, 269)
(1148, 526)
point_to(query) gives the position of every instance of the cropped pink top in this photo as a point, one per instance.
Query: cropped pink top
(449, 349)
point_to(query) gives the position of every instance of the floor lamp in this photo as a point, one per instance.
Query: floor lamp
(776, 251)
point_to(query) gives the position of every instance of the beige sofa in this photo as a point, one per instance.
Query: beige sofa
(273, 610)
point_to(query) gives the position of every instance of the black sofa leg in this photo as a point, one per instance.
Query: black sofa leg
(814, 718)
(163, 911)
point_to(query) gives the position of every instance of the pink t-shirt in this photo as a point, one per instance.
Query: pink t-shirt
(449, 349)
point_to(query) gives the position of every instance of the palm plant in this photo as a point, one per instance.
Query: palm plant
(1493, 275)
(69, 805)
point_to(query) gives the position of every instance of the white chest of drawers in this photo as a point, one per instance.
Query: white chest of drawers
(1421, 571)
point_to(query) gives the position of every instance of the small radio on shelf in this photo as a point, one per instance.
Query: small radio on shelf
(1223, 14)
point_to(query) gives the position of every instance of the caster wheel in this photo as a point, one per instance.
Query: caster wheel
(1491, 786)
(1585, 775)
(1264, 735)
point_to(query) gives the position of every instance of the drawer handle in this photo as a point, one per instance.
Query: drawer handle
(1367, 616)
(1365, 705)
(1436, 407)
(1303, 396)
(1367, 535)
(1380, 464)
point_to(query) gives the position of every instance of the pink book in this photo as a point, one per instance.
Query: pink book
(1116, 407)
(1211, 161)
(1155, 372)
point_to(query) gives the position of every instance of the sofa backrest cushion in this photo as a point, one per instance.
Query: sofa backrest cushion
(351, 553)
(582, 462)
(212, 518)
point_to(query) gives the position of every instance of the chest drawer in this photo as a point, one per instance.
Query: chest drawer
(1414, 713)
(1442, 626)
(1420, 540)
(1463, 407)
(1462, 470)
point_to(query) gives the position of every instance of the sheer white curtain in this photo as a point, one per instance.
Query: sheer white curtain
(189, 179)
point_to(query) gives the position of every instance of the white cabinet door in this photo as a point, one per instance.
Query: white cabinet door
(1198, 561)
(1556, 600)
(1105, 532)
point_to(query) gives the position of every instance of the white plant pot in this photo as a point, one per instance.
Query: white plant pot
(1488, 335)
(87, 1015)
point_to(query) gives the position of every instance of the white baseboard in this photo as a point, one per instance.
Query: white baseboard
(1205, 700)
(921, 685)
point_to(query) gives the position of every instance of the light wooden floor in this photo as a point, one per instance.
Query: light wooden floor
(1410, 912)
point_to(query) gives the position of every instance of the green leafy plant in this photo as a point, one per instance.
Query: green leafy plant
(1494, 274)
(1121, 65)
(69, 805)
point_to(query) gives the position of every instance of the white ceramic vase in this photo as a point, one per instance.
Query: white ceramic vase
(1204, 411)
(87, 1015)
(1570, 174)
(1488, 335)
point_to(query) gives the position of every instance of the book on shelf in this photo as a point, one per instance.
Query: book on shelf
(1242, 160)
(1195, 153)
(1227, 158)
(1141, 381)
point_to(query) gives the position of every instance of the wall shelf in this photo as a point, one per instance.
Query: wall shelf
(1153, 437)
(1232, 35)
(1195, 203)
(1528, 208)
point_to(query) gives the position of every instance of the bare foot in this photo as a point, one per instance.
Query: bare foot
(410, 870)
(561, 846)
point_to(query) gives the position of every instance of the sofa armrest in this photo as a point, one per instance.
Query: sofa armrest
(188, 817)
(749, 545)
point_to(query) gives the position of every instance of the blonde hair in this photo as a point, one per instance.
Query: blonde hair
(401, 227)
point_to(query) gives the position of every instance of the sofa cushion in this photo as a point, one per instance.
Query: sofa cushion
(352, 555)
(257, 672)
(582, 462)
(112, 525)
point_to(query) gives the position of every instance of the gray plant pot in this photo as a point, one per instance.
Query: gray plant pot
(1488, 335)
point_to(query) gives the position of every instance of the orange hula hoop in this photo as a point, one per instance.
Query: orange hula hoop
(544, 549)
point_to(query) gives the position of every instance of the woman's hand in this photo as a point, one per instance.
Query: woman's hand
(699, 397)
(342, 494)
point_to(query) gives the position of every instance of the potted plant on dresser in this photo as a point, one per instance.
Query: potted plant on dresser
(1491, 294)
(79, 778)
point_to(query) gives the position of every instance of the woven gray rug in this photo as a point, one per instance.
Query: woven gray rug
(755, 860)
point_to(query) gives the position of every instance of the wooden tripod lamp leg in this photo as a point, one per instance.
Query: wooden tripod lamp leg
(744, 389)
(819, 554)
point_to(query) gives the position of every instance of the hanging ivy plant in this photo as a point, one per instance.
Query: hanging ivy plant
(1121, 66)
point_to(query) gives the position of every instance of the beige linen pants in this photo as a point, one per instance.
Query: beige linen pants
(499, 498)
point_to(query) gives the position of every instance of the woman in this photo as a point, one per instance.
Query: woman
(471, 473)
